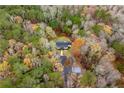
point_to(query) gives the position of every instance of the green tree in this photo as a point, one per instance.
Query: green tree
(119, 47)
(67, 30)
(6, 83)
(14, 59)
(56, 79)
(31, 38)
(14, 33)
(4, 20)
(54, 23)
(81, 33)
(66, 15)
(120, 66)
(103, 15)
(3, 45)
(76, 19)
(34, 15)
(96, 29)
(88, 79)
(15, 10)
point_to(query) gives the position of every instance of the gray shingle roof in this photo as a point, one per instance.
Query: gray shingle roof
(63, 45)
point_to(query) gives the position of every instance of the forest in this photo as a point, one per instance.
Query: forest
(29, 57)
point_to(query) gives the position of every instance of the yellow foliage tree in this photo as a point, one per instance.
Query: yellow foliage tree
(59, 66)
(107, 29)
(95, 47)
(4, 66)
(18, 19)
(35, 27)
(27, 62)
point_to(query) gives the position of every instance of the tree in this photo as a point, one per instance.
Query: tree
(31, 38)
(34, 14)
(14, 33)
(4, 66)
(14, 10)
(67, 30)
(26, 50)
(14, 59)
(81, 33)
(88, 79)
(76, 19)
(6, 83)
(54, 23)
(103, 15)
(56, 79)
(120, 66)
(66, 15)
(4, 20)
(3, 45)
(96, 29)
(119, 47)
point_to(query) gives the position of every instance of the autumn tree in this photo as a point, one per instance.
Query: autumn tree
(76, 45)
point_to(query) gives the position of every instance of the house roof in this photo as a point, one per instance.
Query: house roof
(63, 44)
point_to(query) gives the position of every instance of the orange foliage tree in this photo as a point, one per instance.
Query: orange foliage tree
(76, 45)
